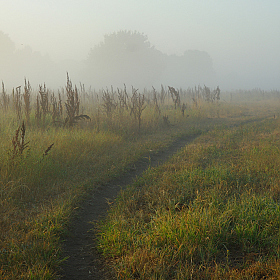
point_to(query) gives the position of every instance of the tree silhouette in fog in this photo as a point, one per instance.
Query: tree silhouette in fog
(7, 53)
(192, 68)
(124, 57)
(123, 41)
(7, 47)
(128, 57)
(16, 64)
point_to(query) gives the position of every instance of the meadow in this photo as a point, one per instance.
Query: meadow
(180, 220)
(211, 212)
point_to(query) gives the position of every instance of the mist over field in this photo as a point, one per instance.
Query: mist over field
(124, 57)
(181, 44)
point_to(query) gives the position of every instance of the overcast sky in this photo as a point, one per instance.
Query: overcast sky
(241, 36)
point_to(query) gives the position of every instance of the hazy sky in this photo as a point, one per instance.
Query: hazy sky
(241, 36)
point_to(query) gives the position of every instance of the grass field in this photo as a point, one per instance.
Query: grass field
(211, 212)
(49, 164)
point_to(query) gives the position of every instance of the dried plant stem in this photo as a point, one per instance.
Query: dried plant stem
(18, 141)
(17, 102)
(44, 102)
(27, 100)
(5, 98)
(72, 103)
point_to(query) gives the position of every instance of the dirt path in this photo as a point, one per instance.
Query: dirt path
(84, 262)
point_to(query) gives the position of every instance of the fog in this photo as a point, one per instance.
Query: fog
(233, 44)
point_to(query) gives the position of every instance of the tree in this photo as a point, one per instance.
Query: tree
(6, 44)
(128, 57)
(193, 68)
(15, 64)
(124, 57)
(7, 47)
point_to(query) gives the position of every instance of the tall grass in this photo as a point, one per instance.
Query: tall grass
(70, 143)
(50, 157)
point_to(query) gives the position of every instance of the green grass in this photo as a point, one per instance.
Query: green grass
(212, 212)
